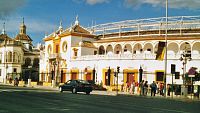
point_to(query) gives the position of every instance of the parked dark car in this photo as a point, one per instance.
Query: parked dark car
(76, 86)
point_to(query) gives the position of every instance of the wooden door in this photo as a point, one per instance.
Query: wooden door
(130, 78)
(73, 76)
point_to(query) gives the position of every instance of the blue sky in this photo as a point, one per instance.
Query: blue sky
(44, 15)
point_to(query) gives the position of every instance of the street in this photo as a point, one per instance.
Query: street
(32, 100)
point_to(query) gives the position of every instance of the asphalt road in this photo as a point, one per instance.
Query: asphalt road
(30, 100)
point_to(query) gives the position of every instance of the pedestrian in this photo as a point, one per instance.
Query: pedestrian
(153, 88)
(132, 89)
(122, 87)
(10, 80)
(16, 81)
(141, 85)
(161, 89)
(168, 90)
(158, 89)
(145, 88)
(126, 87)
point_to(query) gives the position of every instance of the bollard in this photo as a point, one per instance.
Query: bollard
(4, 80)
(53, 84)
(29, 82)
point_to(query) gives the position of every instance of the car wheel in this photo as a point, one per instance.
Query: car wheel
(60, 89)
(87, 92)
(74, 91)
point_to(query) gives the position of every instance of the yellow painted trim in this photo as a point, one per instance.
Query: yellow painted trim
(33, 83)
(135, 71)
(156, 76)
(21, 83)
(46, 84)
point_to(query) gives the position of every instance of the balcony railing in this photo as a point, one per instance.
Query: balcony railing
(142, 56)
(54, 55)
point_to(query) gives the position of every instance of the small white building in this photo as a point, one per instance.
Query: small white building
(18, 56)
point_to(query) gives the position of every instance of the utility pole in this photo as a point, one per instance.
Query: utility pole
(166, 27)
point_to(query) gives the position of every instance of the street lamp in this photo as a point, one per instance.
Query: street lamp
(93, 73)
(29, 79)
(54, 68)
(185, 57)
(54, 74)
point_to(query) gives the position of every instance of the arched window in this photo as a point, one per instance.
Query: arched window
(19, 58)
(109, 49)
(15, 57)
(27, 62)
(36, 62)
(101, 50)
(64, 46)
(118, 49)
(49, 49)
(127, 49)
(9, 56)
(137, 48)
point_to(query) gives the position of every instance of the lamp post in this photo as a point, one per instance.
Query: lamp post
(166, 28)
(54, 74)
(29, 78)
(94, 73)
(185, 57)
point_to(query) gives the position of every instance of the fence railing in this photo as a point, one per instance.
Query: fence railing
(142, 56)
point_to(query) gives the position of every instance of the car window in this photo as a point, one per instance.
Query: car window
(83, 81)
(73, 82)
(68, 82)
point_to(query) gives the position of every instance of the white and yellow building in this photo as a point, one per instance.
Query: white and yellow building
(74, 52)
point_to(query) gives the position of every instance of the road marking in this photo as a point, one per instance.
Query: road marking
(54, 108)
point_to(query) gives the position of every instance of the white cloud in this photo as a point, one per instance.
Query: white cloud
(8, 6)
(177, 4)
(92, 2)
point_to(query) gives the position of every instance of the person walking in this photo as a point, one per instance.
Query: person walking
(158, 87)
(132, 89)
(141, 85)
(168, 90)
(126, 87)
(153, 88)
(145, 88)
(161, 89)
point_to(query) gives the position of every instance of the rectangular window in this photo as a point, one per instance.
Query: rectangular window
(57, 48)
(95, 52)
(159, 76)
(15, 70)
(75, 53)
(148, 49)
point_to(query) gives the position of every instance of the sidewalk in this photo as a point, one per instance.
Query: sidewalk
(114, 93)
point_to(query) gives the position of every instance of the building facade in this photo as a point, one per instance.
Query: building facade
(18, 56)
(88, 53)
